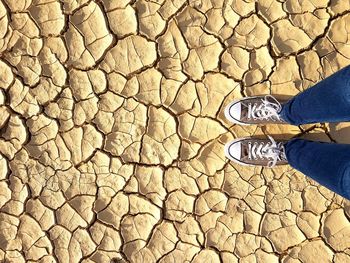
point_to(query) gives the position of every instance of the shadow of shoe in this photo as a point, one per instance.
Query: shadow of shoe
(340, 132)
(316, 134)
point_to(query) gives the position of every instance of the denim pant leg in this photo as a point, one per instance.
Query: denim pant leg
(327, 101)
(326, 163)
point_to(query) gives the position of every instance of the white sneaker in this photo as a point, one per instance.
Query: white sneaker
(255, 110)
(252, 151)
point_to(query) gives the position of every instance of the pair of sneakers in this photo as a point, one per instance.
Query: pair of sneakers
(253, 151)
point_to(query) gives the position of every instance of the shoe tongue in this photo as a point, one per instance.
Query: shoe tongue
(244, 149)
(244, 111)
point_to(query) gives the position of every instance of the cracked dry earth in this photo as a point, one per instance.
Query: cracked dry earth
(112, 131)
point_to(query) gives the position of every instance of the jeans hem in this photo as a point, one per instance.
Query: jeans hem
(285, 148)
(283, 116)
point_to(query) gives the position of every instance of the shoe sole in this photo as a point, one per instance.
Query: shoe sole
(228, 155)
(235, 121)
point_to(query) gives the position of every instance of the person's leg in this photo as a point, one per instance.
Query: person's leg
(327, 101)
(326, 163)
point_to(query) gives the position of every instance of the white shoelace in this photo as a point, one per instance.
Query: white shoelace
(265, 110)
(270, 150)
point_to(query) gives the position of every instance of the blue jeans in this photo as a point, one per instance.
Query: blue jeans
(327, 101)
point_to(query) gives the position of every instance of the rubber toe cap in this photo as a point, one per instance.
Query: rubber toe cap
(233, 112)
(233, 150)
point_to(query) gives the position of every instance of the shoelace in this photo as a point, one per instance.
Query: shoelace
(270, 150)
(265, 110)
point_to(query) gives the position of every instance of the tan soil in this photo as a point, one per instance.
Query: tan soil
(112, 131)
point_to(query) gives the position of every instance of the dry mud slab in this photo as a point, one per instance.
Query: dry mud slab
(112, 131)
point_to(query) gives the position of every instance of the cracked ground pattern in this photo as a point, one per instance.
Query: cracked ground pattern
(112, 131)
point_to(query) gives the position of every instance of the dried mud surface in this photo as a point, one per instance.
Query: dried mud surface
(112, 131)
